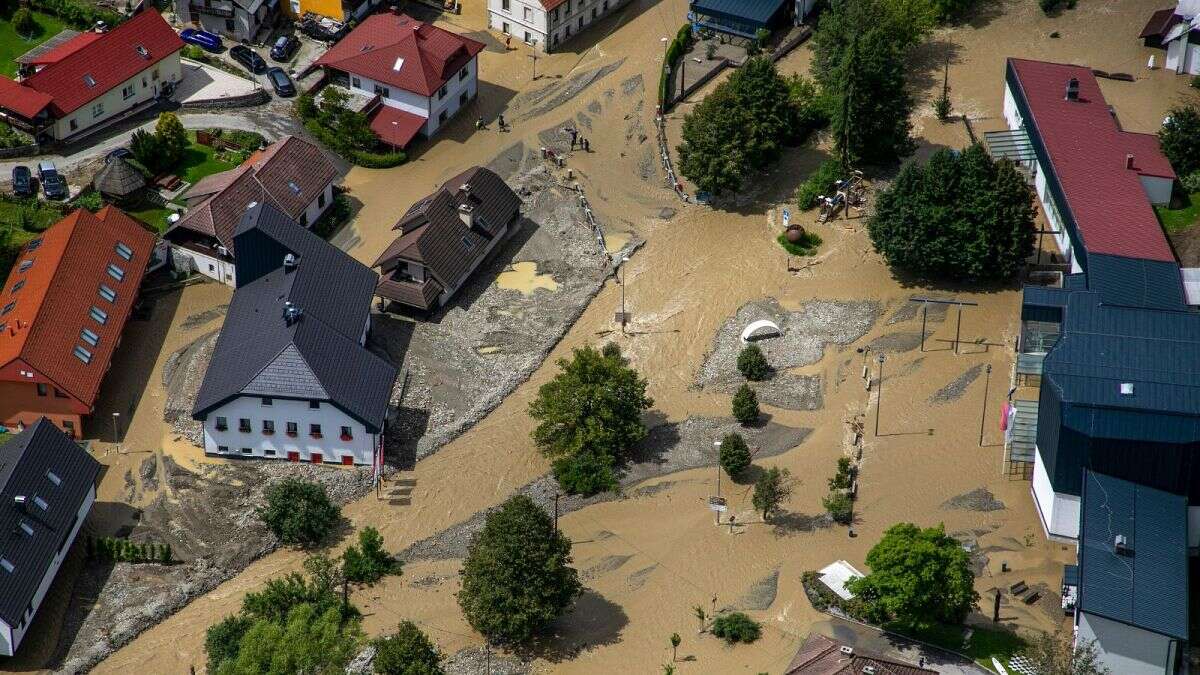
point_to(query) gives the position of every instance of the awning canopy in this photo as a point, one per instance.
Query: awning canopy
(1010, 144)
(396, 127)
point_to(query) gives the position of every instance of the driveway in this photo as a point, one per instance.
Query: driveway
(890, 646)
(202, 82)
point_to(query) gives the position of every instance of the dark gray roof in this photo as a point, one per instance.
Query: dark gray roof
(758, 11)
(1134, 282)
(1146, 587)
(119, 178)
(26, 462)
(316, 356)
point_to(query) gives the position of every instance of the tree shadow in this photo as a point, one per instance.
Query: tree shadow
(789, 523)
(926, 64)
(594, 621)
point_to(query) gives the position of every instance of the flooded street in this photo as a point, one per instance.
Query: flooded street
(651, 555)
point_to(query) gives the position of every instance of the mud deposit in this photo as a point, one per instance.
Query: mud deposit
(979, 499)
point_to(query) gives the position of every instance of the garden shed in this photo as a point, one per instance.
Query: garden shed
(119, 179)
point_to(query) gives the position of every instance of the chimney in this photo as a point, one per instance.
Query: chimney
(1121, 545)
(1129, 161)
(19, 501)
(847, 650)
(1072, 89)
(466, 212)
(289, 262)
(291, 313)
(1127, 389)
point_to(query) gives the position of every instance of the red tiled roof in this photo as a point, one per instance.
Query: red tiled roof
(397, 50)
(396, 127)
(109, 61)
(1159, 23)
(1088, 155)
(820, 655)
(51, 308)
(66, 49)
(22, 100)
(551, 4)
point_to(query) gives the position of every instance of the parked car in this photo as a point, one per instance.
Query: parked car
(248, 58)
(53, 184)
(281, 82)
(284, 47)
(22, 181)
(201, 38)
(119, 153)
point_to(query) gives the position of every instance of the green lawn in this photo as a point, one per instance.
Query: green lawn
(1177, 220)
(200, 161)
(983, 645)
(151, 214)
(13, 45)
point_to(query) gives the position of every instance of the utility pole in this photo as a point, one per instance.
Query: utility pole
(116, 437)
(534, 58)
(879, 394)
(621, 282)
(987, 379)
(717, 445)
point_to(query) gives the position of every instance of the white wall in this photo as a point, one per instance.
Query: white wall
(396, 98)
(6, 645)
(145, 88)
(19, 633)
(449, 102)
(1158, 190)
(331, 418)
(1175, 54)
(522, 16)
(314, 209)
(1123, 648)
(210, 267)
(1059, 512)
(548, 30)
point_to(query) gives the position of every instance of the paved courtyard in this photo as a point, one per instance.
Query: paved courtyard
(205, 83)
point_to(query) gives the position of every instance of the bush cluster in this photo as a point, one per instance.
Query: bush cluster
(114, 549)
(23, 23)
(806, 246)
(368, 562)
(734, 455)
(337, 213)
(77, 14)
(346, 132)
(819, 182)
(736, 627)
(675, 50)
(299, 512)
(11, 137)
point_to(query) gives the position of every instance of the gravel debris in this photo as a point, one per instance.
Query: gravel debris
(633, 85)
(639, 578)
(194, 321)
(760, 596)
(475, 660)
(896, 342)
(541, 101)
(955, 389)
(909, 311)
(603, 566)
(979, 499)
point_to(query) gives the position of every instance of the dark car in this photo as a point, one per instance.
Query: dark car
(281, 82)
(284, 47)
(22, 181)
(119, 153)
(201, 38)
(52, 183)
(248, 58)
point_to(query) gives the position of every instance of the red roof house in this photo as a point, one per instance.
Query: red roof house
(423, 73)
(93, 78)
(62, 311)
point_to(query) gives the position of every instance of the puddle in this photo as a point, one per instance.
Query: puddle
(523, 277)
(615, 241)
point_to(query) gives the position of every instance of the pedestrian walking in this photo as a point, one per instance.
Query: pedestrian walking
(508, 43)
(479, 124)
(500, 121)
(587, 146)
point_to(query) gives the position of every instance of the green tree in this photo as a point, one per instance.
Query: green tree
(745, 405)
(812, 107)
(1180, 138)
(516, 578)
(308, 642)
(224, 638)
(299, 512)
(407, 652)
(840, 507)
(960, 216)
(844, 478)
(752, 363)
(736, 627)
(871, 104)
(716, 135)
(899, 24)
(763, 93)
(734, 455)
(589, 416)
(145, 148)
(919, 578)
(771, 490)
(1058, 653)
(675, 642)
(172, 139)
(368, 562)
(164, 554)
(23, 22)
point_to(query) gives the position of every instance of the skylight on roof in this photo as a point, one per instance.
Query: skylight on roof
(17, 286)
(141, 50)
(115, 271)
(33, 244)
(26, 527)
(40, 502)
(293, 187)
(399, 64)
(82, 354)
(8, 308)
(89, 336)
(98, 314)
(468, 243)
(89, 80)
(8, 567)
(53, 477)
(25, 265)
(108, 293)
(124, 251)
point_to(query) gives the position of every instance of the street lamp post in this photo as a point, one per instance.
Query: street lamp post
(717, 445)
(879, 394)
(987, 379)
(116, 438)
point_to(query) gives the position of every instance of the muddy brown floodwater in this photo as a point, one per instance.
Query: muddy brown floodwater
(650, 557)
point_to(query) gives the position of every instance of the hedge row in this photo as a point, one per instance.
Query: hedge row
(77, 14)
(675, 50)
(363, 158)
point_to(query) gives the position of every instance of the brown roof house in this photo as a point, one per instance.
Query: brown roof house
(444, 238)
(820, 655)
(293, 175)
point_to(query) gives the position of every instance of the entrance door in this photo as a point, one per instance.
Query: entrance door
(316, 458)
(293, 456)
(348, 460)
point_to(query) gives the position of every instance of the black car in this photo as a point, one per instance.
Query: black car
(248, 58)
(284, 47)
(281, 82)
(22, 181)
(53, 184)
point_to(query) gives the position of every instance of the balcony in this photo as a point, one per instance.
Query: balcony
(212, 10)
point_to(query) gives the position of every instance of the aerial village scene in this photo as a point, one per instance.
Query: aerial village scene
(599, 336)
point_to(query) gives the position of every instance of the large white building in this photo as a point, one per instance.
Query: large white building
(418, 75)
(290, 377)
(47, 488)
(547, 24)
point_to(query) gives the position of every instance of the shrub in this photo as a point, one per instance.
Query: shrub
(844, 478)
(771, 490)
(745, 405)
(337, 214)
(1049, 6)
(78, 14)
(1191, 182)
(840, 507)
(1196, 82)
(378, 160)
(368, 562)
(11, 137)
(307, 641)
(406, 652)
(517, 576)
(1180, 138)
(299, 512)
(734, 455)
(23, 23)
(145, 148)
(92, 201)
(736, 627)
(820, 182)
(587, 472)
(752, 364)
(223, 639)
(172, 139)
(941, 107)
(807, 245)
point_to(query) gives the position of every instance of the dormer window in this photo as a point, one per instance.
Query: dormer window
(142, 52)
(89, 80)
